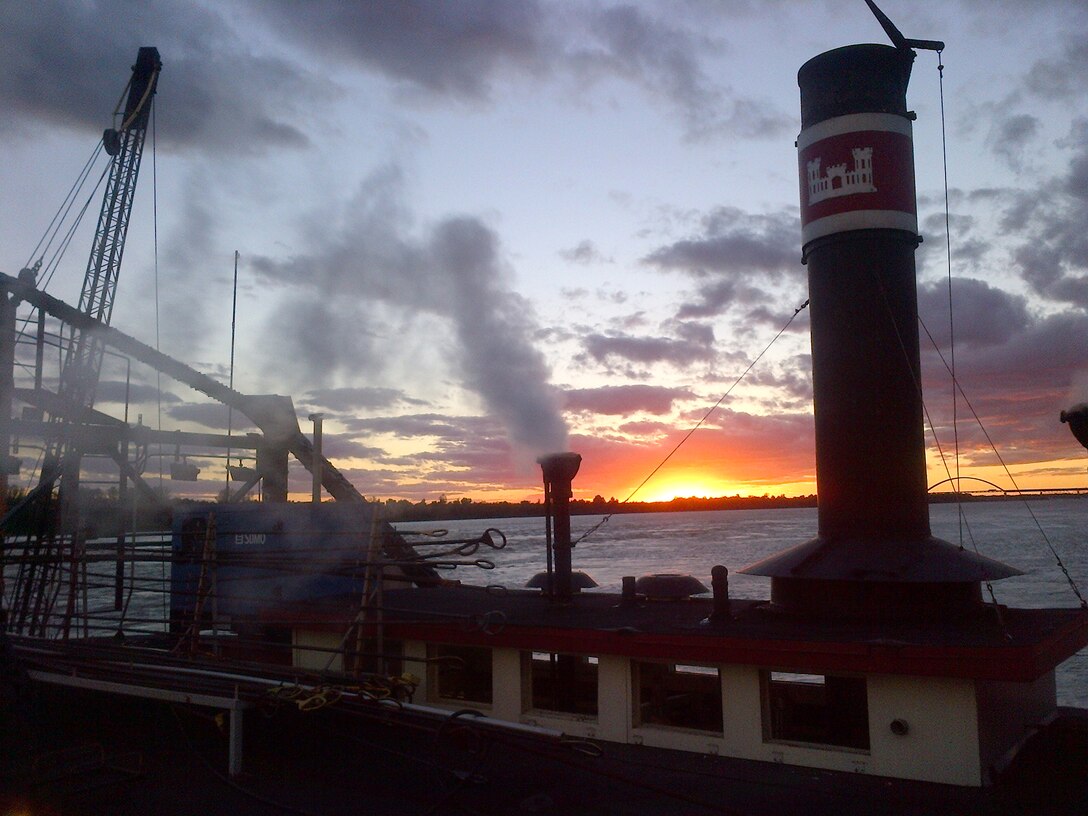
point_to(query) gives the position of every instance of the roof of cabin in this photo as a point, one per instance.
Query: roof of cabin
(1022, 644)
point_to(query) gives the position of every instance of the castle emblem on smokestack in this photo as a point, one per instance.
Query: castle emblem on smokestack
(838, 181)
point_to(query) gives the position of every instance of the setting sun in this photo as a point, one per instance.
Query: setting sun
(685, 486)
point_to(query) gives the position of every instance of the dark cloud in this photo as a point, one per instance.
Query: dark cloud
(1061, 78)
(645, 429)
(461, 50)
(372, 258)
(211, 415)
(585, 252)
(1016, 385)
(792, 381)
(624, 399)
(664, 58)
(982, 316)
(67, 62)
(680, 352)
(733, 250)
(716, 297)
(445, 48)
(413, 425)
(713, 299)
(183, 259)
(1049, 225)
(735, 243)
(118, 392)
(457, 455)
(344, 446)
(1011, 137)
(364, 398)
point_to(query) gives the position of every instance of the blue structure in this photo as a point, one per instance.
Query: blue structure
(267, 554)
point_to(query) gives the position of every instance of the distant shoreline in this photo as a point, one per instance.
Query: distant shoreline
(467, 509)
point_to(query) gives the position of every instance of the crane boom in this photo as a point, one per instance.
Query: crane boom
(125, 145)
(83, 359)
(58, 523)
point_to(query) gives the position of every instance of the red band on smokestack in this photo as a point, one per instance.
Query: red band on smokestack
(856, 172)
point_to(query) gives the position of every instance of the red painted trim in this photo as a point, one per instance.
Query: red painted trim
(1015, 663)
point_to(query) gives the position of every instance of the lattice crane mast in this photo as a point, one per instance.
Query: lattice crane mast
(57, 537)
(83, 358)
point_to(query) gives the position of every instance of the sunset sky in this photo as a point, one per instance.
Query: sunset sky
(474, 232)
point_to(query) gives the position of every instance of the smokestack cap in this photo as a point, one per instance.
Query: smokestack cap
(560, 467)
(854, 79)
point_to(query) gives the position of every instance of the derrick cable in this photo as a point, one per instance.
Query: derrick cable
(960, 515)
(54, 261)
(61, 215)
(916, 379)
(961, 518)
(158, 374)
(698, 424)
(951, 313)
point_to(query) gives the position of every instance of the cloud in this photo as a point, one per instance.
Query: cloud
(1051, 232)
(680, 352)
(210, 415)
(461, 51)
(585, 252)
(1059, 78)
(664, 59)
(733, 250)
(983, 315)
(457, 454)
(115, 391)
(453, 270)
(445, 48)
(365, 398)
(67, 62)
(343, 446)
(624, 399)
(1010, 137)
(734, 242)
(733, 446)
(1017, 385)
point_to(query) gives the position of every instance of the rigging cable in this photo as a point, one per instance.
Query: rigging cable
(1012, 479)
(230, 408)
(698, 424)
(158, 374)
(65, 207)
(957, 389)
(951, 313)
(960, 515)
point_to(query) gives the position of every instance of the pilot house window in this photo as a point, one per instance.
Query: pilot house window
(561, 682)
(677, 695)
(460, 673)
(816, 708)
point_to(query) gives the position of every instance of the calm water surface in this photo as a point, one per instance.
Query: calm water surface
(1021, 534)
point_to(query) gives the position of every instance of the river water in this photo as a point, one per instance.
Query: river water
(1031, 536)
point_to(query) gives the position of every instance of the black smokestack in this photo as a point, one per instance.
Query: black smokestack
(874, 555)
(559, 472)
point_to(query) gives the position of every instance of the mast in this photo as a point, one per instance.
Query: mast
(83, 359)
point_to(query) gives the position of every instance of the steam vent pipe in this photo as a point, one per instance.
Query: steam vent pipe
(559, 471)
(874, 555)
